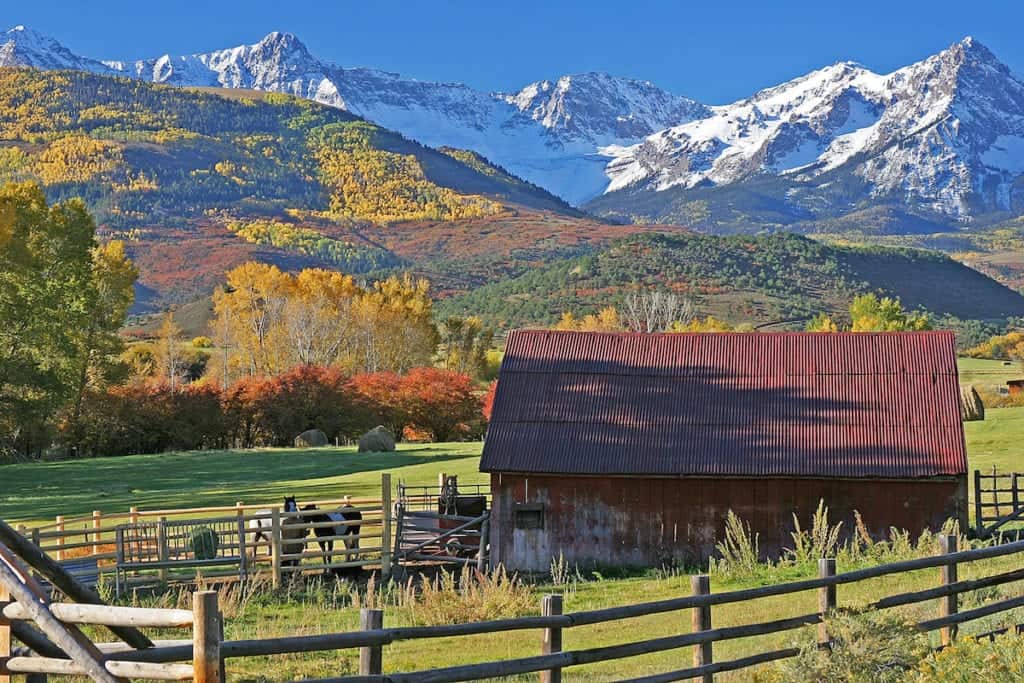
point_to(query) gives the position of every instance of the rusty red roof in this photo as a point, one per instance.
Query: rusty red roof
(854, 405)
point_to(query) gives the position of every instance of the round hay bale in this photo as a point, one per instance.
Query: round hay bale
(203, 541)
(377, 440)
(971, 407)
(313, 438)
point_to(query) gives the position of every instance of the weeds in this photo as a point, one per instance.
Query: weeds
(879, 647)
(456, 597)
(739, 561)
(820, 541)
(739, 551)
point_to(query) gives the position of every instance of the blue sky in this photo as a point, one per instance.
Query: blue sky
(713, 51)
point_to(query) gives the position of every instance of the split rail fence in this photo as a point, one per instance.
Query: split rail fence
(140, 547)
(208, 651)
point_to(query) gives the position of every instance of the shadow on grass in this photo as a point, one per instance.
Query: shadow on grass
(201, 478)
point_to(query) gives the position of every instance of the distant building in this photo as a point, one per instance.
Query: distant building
(629, 449)
(1015, 387)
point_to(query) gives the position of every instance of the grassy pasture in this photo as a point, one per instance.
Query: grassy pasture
(40, 491)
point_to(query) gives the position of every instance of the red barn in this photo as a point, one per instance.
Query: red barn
(629, 449)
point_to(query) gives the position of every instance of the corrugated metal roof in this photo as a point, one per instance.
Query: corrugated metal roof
(752, 404)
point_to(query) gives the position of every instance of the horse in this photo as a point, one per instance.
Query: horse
(292, 535)
(348, 522)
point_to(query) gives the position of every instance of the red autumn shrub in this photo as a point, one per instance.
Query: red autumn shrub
(308, 397)
(488, 403)
(380, 392)
(441, 402)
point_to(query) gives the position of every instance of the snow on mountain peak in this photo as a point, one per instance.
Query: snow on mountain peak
(23, 46)
(946, 133)
(602, 108)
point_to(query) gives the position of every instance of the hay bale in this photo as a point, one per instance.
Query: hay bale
(313, 438)
(377, 440)
(203, 541)
(971, 407)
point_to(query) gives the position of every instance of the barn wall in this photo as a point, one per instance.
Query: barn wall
(619, 521)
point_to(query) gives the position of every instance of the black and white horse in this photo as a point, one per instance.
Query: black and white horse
(348, 521)
(292, 534)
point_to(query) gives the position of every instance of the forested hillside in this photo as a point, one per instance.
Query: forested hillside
(197, 182)
(742, 279)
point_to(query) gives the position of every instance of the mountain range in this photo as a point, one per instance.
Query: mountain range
(936, 144)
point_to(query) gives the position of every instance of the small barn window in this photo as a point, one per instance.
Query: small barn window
(529, 516)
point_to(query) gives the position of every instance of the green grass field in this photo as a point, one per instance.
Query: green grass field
(988, 374)
(40, 491)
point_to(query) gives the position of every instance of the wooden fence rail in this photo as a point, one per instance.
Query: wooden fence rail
(147, 546)
(208, 649)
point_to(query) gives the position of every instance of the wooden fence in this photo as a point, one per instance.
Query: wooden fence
(998, 500)
(146, 546)
(208, 651)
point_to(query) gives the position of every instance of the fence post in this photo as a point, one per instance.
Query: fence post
(995, 490)
(243, 560)
(371, 656)
(1013, 488)
(60, 539)
(396, 556)
(550, 606)
(275, 546)
(5, 637)
(206, 634)
(36, 539)
(97, 524)
(161, 546)
(701, 621)
(481, 555)
(385, 534)
(948, 605)
(133, 515)
(977, 504)
(826, 600)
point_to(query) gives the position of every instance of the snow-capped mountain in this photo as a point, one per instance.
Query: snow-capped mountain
(548, 133)
(944, 136)
(21, 46)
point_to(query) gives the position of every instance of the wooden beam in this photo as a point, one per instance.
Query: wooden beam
(826, 600)
(36, 641)
(371, 657)
(206, 637)
(551, 643)
(701, 621)
(68, 638)
(64, 582)
(949, 604)
(106, 615)
(5, 638)
(113, 668)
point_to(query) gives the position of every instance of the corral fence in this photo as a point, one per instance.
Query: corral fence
(449, 524)
(998, 500)
(143, 547)
(208, 651)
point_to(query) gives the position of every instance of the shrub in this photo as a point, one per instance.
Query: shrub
(306, 397)
(969, 660)
(202, 342)
(879, 647)
(488, 402)
(469, 595)
(739, 551)
(441, 402)
(381, 390)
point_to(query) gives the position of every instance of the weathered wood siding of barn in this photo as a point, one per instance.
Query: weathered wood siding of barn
(647, 522)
